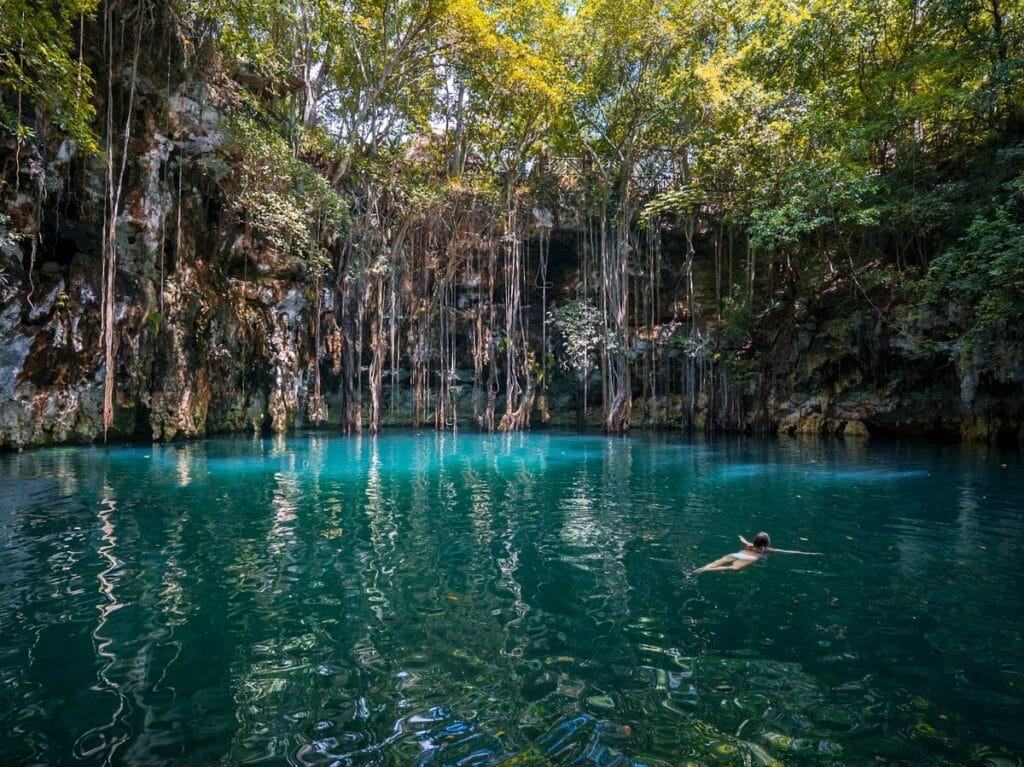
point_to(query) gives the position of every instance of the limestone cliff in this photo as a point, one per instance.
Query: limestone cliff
(211, 334)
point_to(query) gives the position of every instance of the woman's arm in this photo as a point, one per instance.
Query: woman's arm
(744, 541)
(805, 553)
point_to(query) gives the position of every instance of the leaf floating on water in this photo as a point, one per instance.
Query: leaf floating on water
(452, 598)
(572, 688)
(532, 755)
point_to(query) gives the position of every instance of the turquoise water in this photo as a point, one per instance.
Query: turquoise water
(437, 599)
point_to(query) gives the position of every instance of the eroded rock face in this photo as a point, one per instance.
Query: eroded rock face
(872, 383)
(198, 350)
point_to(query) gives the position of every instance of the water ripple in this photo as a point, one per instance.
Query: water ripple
(508, 599)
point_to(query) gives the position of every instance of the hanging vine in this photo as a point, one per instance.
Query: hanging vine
(114, 190)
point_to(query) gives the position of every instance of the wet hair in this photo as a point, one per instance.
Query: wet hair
(762, 541)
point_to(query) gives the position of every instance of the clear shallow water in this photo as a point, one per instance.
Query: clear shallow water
(430, 599)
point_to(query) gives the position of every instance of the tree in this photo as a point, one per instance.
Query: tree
(43, 78)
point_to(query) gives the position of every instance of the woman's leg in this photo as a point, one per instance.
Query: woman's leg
(718, 564)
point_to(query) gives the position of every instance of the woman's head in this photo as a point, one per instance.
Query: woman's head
(762, 541)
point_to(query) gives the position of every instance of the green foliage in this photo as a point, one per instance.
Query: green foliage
(740, 321)
(744, 372)
(982, 276)
(379, 56)
(811, 199)
(39, 63)
(578, 322)
(257, 36)
(690, 345)
(287, 202)
(6, 241)
(6, 234)
(153, 321)
(681, 200)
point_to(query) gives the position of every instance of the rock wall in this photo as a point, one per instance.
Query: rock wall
(212, 335)
(847, 371)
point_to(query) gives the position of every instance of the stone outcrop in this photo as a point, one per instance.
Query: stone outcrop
(857, 378)
(199, 350)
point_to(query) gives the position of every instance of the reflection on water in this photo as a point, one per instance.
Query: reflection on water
(509, 599)
(107, 738)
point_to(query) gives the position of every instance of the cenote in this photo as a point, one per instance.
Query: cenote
(510, 599)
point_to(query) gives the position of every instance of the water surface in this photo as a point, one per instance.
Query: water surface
(525, 599)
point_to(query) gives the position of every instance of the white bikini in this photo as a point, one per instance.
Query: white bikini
(746, 556)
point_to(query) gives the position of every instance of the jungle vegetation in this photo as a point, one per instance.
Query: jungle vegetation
(419, 155)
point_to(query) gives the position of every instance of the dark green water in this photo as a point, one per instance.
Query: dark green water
(424, 599)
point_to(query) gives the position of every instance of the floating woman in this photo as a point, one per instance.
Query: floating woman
(750, 553)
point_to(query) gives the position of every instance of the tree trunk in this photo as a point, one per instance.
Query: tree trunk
(519, 383)
(616, 284)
